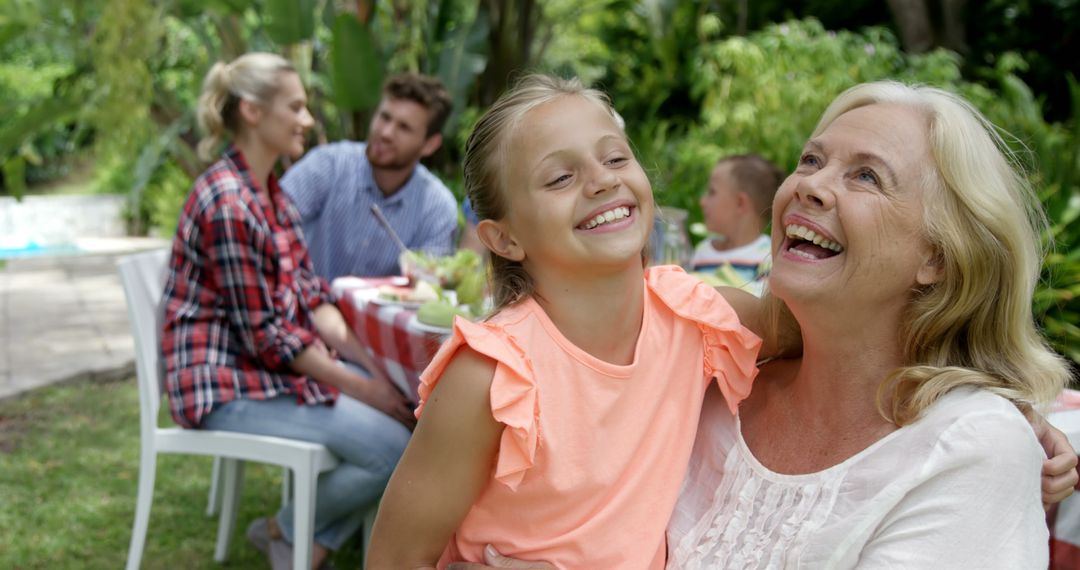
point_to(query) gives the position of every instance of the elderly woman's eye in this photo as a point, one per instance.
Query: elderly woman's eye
(809, 160)
(869, 177)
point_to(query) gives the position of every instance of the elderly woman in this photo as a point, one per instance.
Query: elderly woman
(907, 247)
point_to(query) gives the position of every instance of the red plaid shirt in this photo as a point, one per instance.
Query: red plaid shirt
(239, 298)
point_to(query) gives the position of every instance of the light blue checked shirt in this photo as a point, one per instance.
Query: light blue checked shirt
(333, 188)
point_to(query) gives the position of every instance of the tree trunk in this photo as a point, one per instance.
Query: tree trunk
(510, 39)
(359, 119)
(913, 19)
(953, 32)
(742, 17)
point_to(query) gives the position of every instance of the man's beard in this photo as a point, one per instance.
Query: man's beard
(394, 162)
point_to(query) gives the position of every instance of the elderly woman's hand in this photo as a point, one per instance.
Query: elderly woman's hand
(1059, 476)
(494, 560)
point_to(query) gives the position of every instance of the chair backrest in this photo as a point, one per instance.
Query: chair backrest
(143, 276)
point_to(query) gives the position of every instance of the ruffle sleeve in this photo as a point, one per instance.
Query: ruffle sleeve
(730, 349)
(513, 393)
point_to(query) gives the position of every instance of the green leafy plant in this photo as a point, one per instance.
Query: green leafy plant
(764, 92)
(1054, 150)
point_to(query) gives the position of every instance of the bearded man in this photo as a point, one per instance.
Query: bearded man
(335, 186)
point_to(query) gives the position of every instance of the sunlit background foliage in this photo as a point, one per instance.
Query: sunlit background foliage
(99, 95)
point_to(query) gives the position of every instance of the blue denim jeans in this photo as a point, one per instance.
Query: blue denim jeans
(368, 443)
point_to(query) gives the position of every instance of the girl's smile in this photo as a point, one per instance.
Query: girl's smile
(582, 199)
(609, 218)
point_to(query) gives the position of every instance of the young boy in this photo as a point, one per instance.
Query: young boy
(736, 207)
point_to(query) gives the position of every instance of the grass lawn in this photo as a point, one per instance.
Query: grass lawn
(69, 468)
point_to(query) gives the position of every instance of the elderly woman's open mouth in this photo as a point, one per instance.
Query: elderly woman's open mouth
(806, 243)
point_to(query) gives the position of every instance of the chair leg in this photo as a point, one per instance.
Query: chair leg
(304, 487)
(143, 502)
(233, 485)
(286, 485)
(213, 502)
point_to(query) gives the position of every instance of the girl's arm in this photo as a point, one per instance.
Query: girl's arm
(445, 467)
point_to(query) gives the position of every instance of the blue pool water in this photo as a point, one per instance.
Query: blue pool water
(33, 249)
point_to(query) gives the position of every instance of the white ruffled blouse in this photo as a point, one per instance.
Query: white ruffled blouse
(960, 488)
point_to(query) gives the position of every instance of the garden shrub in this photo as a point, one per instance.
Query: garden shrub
(764, 93)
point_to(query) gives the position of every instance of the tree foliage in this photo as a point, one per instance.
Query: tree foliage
(694, 79)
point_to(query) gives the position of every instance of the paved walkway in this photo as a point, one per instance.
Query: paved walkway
(64, 318)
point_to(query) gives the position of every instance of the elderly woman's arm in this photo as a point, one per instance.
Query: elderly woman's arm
(494, 560)
(778, 330)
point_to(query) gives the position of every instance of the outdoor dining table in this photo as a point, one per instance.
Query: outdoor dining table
(400, 344)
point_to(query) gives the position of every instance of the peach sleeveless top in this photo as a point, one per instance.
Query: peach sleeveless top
(592, 454)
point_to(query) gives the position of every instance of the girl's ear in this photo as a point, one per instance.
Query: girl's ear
(497, 238)
(250, 112)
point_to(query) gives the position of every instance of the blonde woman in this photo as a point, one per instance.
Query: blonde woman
(247, 322)
(907, 247)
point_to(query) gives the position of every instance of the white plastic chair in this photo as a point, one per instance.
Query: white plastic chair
(143, 277)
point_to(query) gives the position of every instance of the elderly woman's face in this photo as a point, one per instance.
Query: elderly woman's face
(848, 223)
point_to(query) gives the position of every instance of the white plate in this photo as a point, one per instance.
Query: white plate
(431, 328)
(392, 303)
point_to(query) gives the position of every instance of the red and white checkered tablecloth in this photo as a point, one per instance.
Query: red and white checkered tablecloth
(399, 343)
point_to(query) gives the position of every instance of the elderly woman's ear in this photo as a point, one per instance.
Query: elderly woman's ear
(932, 270)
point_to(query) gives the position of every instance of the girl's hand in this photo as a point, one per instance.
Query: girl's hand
(494, 560)
(1059, 476)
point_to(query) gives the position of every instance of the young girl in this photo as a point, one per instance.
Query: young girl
(560, 428)
(576, 403)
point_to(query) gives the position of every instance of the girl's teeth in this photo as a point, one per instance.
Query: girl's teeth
(608, 216)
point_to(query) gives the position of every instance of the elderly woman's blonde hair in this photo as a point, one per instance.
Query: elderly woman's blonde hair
(975, 326)
(252, 76)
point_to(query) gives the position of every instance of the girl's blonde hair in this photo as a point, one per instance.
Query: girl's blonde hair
(974, 327)
(487, 153)
(252, 76)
